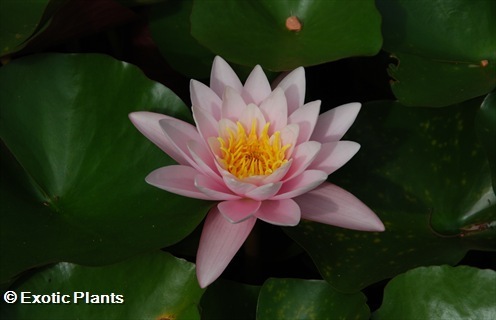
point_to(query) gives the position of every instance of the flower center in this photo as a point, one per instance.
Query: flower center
(247, 154)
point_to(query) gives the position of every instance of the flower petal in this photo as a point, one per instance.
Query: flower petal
(303, 156)
(335, 206)
(204, 159)
(222, 75)
(264, 192)
(275, 110)
(333, 155)
(203, 97)
(177, 179)
(333, 124)
(279, 212)
(219, 242)
(232, 104)
(148, 124)
(236, 211)
(206, 124)
(294, 88)
(257, 87)
(237, 186)
(213, 189)
(250, 113)
(179, 133)
(289, 135)
(306, 118)
(300, 184)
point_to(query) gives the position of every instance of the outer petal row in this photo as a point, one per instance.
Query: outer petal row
(333, 205)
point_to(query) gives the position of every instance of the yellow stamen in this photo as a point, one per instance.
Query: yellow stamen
(245, 155)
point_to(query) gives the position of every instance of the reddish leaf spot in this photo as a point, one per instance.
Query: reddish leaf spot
(293, 24)
(484, 63)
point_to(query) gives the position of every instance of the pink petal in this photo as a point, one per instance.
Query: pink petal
(294, 88)
(306, 118)
(204, 159)
(237, 186)
(335, 206)
(289, 135)
(275, 110)
(213, 189)
(205, 123)
(177, 179)
(203, 97)
(333, 124)
(148, 124)
(219, 242)
(257, 87)
(301, 184)
(236, 211)
(179, 133)
(232, 104)
(250, 113)
(280, 212)
(222, 75)
(333, 155)
(226, 125)
(303, 156)
(264, 192)
(278, 174)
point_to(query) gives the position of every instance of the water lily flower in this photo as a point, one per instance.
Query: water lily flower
(262, 153)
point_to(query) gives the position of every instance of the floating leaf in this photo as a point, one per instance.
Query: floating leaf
(229, 300)
(424, 173)
(266, 32)
(151, 286)
(486, 130)
(440, 293)
(74, 186)
(308, 299)
(446, 49)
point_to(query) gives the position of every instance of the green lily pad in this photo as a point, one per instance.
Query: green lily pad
(18, 21)
(152, 286)
(424, 173)
(170, 28)
(229, 300)
(446, 49)
(421, 81)
(73, 188)
(486, 130)
(256, 32)
(440, 293)
(308, 299)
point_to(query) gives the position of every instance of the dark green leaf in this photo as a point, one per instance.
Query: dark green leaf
(421, 81)
(308, 299)
(152, 286)
(424, 173)
(255, 32)
(486, 130)
(440, 293)
(74, 189)
(229, 300)
(18, 21)
(446, 49)
(171, 31)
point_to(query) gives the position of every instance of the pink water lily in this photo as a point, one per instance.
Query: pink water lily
(262, 153)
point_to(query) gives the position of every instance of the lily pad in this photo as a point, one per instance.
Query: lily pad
(152, 286)
(486, 130)
(283, 35)
(229, 300)
(308, 299)
(424, 173)
(440, 293)
(19, 20)
(436, 66)
(73, 188)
